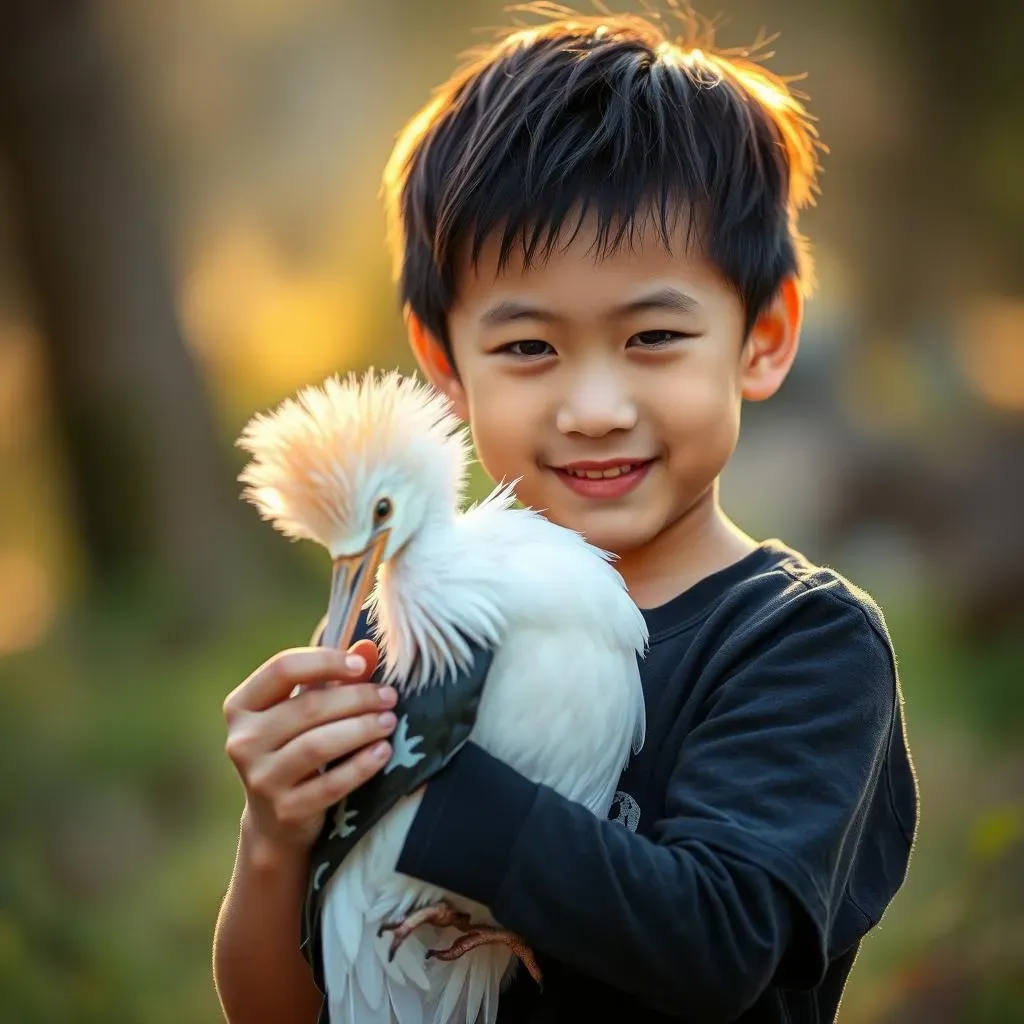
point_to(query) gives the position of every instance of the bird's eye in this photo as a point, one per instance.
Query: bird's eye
(381, 511)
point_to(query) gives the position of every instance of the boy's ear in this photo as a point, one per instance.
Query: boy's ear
(436, 365)
(772, 343)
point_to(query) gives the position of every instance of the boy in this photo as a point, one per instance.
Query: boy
(596, 239)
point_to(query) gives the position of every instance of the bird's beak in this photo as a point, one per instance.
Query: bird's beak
(350, 586)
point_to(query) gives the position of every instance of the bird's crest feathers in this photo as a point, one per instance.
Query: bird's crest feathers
(320, 453)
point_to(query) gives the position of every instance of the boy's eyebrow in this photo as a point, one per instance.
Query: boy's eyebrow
(669, 297)
(510, 310)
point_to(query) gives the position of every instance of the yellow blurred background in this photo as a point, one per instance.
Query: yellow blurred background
(190, 229)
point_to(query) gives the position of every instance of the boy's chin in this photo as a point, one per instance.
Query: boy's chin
(620, 532)
(620, 542)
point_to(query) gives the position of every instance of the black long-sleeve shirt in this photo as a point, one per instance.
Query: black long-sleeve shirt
(760, 833)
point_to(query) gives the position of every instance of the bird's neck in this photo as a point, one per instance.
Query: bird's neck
(430, 606)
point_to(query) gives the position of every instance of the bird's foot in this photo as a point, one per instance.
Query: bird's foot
(441, 915)
(482, 935)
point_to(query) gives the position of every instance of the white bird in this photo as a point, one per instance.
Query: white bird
(374, 470)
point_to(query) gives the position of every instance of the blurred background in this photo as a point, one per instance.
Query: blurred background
(190, 229)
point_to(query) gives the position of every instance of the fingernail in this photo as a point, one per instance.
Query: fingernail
(388, 696)
(382, 751)
(355, 663)
(387, 720)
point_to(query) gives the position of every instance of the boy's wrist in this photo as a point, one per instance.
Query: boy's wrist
(268, 855)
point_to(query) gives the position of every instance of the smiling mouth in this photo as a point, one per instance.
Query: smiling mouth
(602, 474)
(608, 480)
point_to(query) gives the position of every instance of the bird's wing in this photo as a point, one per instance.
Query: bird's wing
(561, 706)
(362, 984)
(433, 725)
(564, 701)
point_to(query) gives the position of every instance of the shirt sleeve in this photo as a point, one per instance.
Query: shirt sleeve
(738, 884)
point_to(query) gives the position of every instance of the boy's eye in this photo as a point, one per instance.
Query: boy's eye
(530, 349)
(657, 339)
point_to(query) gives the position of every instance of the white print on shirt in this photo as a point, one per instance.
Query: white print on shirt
(625, 810)
(404, 753)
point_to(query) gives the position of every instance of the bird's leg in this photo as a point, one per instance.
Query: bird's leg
(441, 915)
(482, 935)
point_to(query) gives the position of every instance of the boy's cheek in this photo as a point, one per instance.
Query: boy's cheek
(703, 413)
(502, 444)
(702, 449)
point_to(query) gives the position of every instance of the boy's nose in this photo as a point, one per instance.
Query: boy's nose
(597, 406)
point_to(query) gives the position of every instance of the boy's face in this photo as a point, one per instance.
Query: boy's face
(632, 365)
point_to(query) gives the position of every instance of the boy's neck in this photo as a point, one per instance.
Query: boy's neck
(701, 542)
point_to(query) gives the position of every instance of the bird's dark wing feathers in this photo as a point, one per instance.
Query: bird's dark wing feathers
(441, 715)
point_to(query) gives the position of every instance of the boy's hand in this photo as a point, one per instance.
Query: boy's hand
(278, 744)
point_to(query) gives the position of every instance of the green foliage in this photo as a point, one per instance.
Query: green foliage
(121, 815)
(950, 948)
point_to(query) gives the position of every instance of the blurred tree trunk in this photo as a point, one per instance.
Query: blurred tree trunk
(954, 187)
(968, 63)
(152, 491)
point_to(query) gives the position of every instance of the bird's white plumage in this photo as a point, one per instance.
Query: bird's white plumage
(562, 702)
(319, 458)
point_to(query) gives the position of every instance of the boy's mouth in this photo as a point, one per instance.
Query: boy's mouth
(612, 478)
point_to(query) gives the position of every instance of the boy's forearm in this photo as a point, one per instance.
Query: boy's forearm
(672, 926)
(259, 972)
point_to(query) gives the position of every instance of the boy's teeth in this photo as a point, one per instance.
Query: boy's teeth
(598, 474)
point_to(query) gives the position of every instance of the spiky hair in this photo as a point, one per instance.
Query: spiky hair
(611, 116)
(316, 454)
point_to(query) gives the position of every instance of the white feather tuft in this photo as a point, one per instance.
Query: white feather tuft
(318, 459)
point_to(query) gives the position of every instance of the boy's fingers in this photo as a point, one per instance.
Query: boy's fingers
(315, 796)
(306, 754)
(314, 708)
(367, 650)
(275, 679)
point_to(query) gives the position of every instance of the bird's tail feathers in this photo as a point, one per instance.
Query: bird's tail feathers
(366, 986)
(373, 989)
(412, 989)
(469, 992)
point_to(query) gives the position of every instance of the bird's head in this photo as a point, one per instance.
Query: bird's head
(360, 466)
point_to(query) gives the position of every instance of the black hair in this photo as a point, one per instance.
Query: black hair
(605, 116)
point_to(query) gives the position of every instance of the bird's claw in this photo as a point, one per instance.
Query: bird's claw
(482, 935)
(441, 915)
